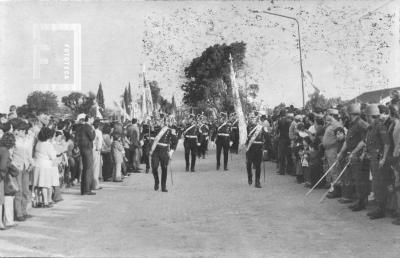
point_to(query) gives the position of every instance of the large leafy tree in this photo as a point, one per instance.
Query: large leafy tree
(39, 102)
(79, 102)
(208, 76)
(100, 97)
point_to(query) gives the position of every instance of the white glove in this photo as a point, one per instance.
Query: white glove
(141, 143)
(170, 154)
(198, 144)
(230, 144)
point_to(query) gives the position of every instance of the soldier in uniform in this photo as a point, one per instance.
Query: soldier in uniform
(235, 133)
(222, 137)
(204, 130)
(352, 147)
(256, 144)
(191, 143)
(146, 139)
(377, 144)
(163, 146)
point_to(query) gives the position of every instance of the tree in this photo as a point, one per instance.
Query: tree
(208, 76)
(79, 102)
(318, 100)
(100, 97)
(42, 102)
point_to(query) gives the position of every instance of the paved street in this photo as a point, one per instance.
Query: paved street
(204, 214)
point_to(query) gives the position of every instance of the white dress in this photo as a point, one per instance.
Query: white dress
(45, 156)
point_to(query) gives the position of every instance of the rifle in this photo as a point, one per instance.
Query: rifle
(334, 182)
(319, 181)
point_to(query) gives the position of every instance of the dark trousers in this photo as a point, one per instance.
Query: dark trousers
(145, 154)
(203, 148)
(87, 170)
(107, 165)
(190, 150)
(160, 157)
(254, 158)
(360, 174)
(222, 143)
(128, 156)
(75, 168)
(381, 179)
(285, 157)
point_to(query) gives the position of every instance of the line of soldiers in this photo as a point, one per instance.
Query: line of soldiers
(160, 140)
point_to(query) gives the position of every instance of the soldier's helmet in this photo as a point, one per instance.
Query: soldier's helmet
(372, 110)
(354, 109)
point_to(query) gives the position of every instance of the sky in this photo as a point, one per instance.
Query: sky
(340, 50)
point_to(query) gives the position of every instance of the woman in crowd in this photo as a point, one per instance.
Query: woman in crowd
(43, 174)
(7, 143)
(107, 170)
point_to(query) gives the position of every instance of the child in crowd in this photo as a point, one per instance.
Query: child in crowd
(118, 154)
(304, 154)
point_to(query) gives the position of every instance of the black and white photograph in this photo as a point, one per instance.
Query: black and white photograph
(177, 128)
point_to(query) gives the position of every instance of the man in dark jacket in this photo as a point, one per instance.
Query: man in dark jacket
(85, 135)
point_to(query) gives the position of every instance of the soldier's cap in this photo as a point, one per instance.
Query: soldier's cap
(298, 117)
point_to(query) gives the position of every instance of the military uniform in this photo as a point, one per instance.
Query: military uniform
(356, 171)
(375, 141)
(147, 139)
(191, 141)
(235, 137)
(257, 142)
(204, 135)
(222, 137)
(164, 141)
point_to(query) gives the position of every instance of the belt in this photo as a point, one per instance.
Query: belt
(257, 142)
(152, 138)
(191, 136)
(205, 133)
(163, 144)
(223, 134)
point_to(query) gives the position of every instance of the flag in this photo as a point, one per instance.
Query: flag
(238, 107)
(310, 81)
(148, 100)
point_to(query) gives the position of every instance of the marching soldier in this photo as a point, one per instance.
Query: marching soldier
(222, 138)
(204, 130)
(163, 147)
(235, 133)
(256, 144)
(377, 144)
(191, 143)
(146, 143)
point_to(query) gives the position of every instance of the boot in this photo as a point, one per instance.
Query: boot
(218, 166)
(377, 214)
(250, 181)
(257, 185)
(396, 221)
(360, 205)
(187, 169)
(164, 189)
(225, 168)
(156, 186)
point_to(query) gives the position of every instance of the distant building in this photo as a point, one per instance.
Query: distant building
(377, 96)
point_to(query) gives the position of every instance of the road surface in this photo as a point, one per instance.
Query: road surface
(204, 214)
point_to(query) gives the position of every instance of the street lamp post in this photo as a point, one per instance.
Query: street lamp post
(301, 58)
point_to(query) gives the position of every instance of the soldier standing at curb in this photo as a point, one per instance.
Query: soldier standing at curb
(377, 146)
